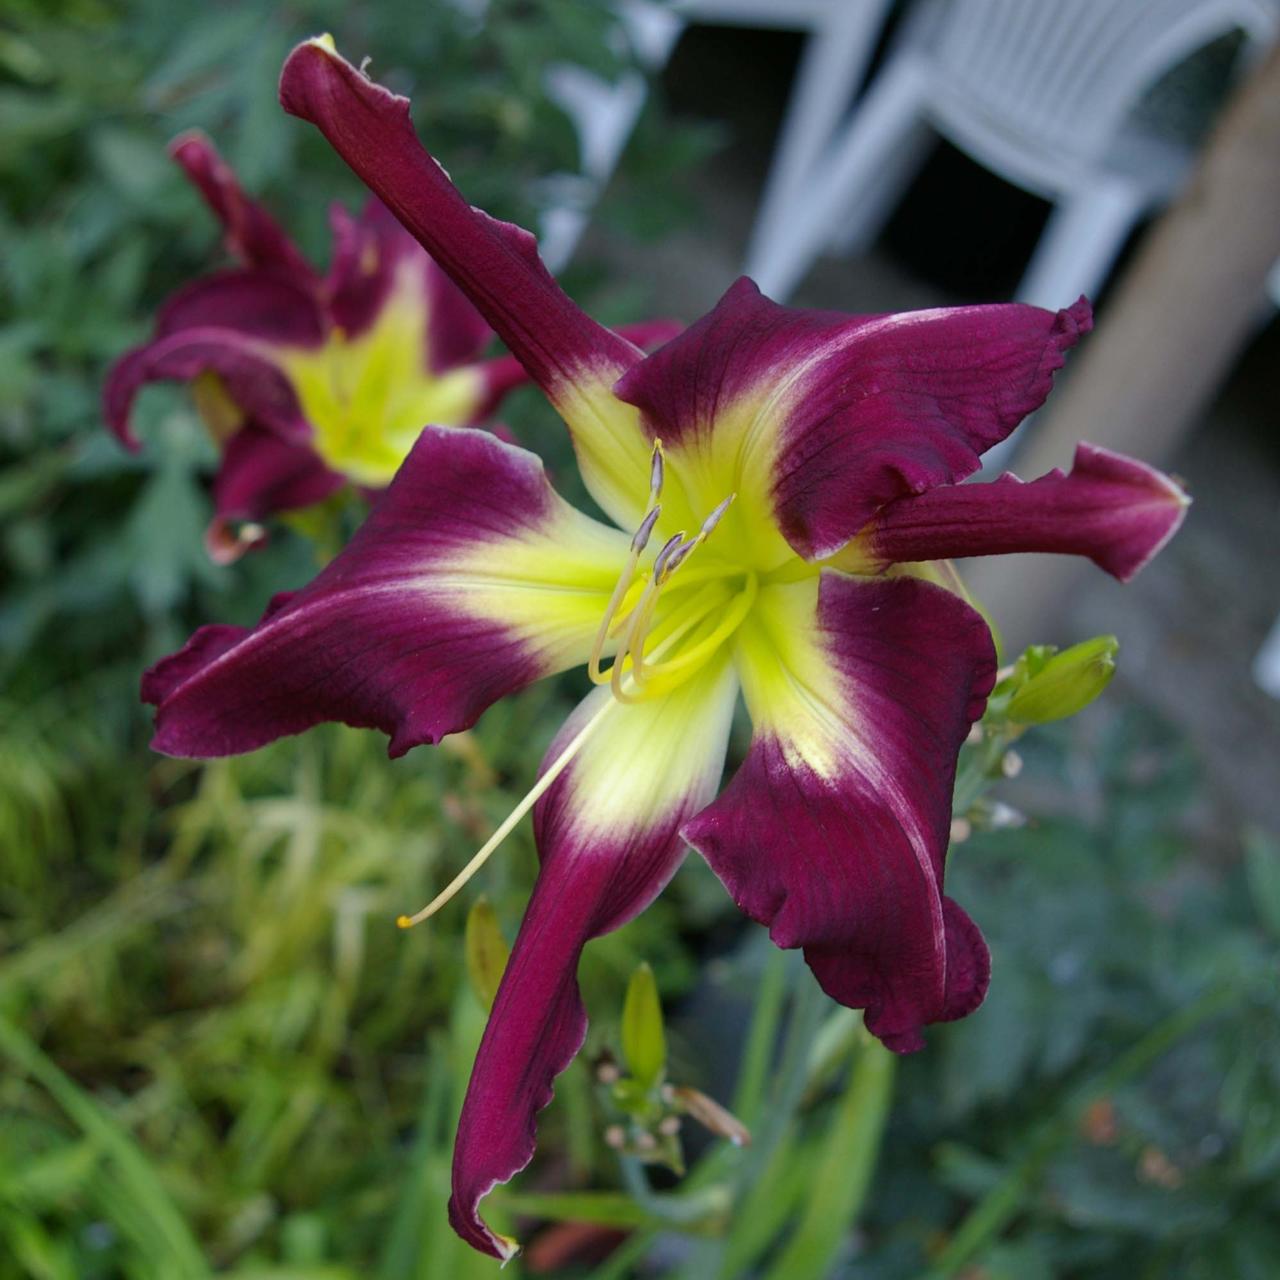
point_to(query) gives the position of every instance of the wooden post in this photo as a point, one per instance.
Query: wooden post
(1167, 340)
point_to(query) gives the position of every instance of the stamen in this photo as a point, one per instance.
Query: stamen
(657, 472)
(638, 543)
(556, 768)
(641, 617)
(662, 677)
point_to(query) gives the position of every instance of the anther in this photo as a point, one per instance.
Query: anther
(662, 566)
(645, 531)
(656, 472)
(715, 517)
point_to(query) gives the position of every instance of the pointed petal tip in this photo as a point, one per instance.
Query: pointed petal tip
(180, 144)
(320, 55)
(479, 1235)
(1079, 316)
(1166, 507)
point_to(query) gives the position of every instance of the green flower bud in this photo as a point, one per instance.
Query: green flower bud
(644, 1043)
(1052, 686)
(486, 951)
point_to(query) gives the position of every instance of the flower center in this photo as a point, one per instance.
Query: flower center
(368, 397)
(687, 617)
(668, 622)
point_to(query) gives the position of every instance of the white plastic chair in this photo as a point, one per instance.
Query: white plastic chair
(840, 38)
(841, 35)
(1040, 92)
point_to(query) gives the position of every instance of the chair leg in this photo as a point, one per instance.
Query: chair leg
(835, 56)
(1266, 666)
(1075, 254)
(853, 187)
(1085, 233)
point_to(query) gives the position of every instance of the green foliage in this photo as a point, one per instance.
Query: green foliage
(220, 1056)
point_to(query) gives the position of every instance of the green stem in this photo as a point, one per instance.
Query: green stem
(843, 1174)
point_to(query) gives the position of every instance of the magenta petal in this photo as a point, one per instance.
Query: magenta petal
(367, 252)
(506, 373)
(605, 855)
(262, 473)
(496, 264)
(498, 377)
(648, 335)
(1117, 511)
(252, 234)
(250, 377)
(854, 410)
(205, 646)
(535, 1030)
(457, 333)
(391, 635)
(251, 303)
(835, 829)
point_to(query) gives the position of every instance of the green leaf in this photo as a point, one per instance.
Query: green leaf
(843, 1175)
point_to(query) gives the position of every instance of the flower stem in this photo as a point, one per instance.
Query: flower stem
(842, 1175)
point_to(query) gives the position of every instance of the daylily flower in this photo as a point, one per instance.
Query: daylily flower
(778, 481)
(310, 381)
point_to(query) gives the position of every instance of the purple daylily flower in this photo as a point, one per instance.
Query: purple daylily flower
(309, 381)
(798, 471)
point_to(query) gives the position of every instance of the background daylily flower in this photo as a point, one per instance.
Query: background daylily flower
(310, 381)
(778, 482)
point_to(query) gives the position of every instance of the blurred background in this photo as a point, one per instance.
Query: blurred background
(216, 1053)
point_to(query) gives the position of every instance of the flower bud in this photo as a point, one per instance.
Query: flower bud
(644, 1043)
(486, 951)
(1052, 686)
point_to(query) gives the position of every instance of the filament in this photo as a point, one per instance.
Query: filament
(554, 770)
(535, 793)
(657, 471)
(629, 664)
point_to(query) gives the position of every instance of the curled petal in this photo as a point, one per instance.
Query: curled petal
(248, 374)
(469, 579)
(262, 473)
(821, 418)
(496, 264)
(834, 830)
(1117, 511)
(252, 234)
(607, 833)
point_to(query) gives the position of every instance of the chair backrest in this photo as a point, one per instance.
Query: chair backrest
(1069, 71)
